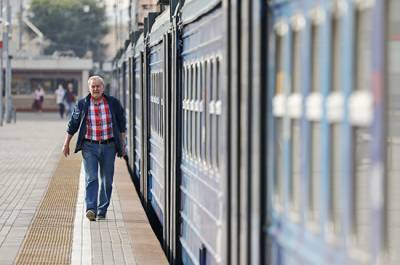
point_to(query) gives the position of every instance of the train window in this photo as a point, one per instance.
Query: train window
(295, 184)
(315, 125)
(154, 85)
(162, 104)
(159, 97)
(198, 113)
(151, 101)
(194, 110)
(191, 115)
(189, 83)
(280, 39)
(392, 231)
(208, 112)
(199, 109)
(159, 91)
(187, 109)
(214, 119)
(217, 113)
(155, 105)
(184, 123)
(335, 109)
(211, 104)
(204, 113)
(361, 137)
(156, 102)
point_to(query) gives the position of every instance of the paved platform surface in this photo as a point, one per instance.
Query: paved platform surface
(30, 151)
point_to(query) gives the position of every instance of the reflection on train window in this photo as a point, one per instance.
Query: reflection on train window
(392, 226)
(361, 136)
(315, 126)
(335, 127)
(294, 184)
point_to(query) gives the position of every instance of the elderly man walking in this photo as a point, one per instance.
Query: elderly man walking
(101, 122)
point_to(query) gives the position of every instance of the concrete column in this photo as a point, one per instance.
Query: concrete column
(6, 39)
(1, 63)
(84, 87)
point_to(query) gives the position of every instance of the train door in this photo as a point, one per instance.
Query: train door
(247, 130)
(156, 139)
(138, 98)
(131, 109)
(174, 108)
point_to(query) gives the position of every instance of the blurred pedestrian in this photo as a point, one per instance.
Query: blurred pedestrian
(70, 99)
(101, 122)
(60, 96)
(41, 98)
(36, 100)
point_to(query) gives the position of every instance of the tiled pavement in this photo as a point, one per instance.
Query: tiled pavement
(109, 240)
(29, 153)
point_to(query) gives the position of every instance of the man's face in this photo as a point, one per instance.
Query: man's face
(96, 89)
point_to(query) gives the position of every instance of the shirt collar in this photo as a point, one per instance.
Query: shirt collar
(99, 102)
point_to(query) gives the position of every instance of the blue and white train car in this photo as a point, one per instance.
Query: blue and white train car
(157, 89)
(325, 164)
(203, 179)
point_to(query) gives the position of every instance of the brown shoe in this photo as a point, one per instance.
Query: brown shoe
(91, 215)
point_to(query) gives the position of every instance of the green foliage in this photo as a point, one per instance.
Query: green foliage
(68, 27)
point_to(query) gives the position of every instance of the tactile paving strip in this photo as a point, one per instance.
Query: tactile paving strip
(49, 240)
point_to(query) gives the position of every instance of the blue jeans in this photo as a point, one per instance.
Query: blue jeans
(95, 155)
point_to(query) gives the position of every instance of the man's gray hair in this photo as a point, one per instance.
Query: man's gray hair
(95, 77)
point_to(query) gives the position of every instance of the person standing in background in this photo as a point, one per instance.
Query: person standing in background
(36, 100)
(60, 96)
(70, 99)
(41, 98)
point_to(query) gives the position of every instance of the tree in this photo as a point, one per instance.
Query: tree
(77, 25)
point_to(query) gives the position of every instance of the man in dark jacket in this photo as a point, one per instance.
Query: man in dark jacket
(101, 122)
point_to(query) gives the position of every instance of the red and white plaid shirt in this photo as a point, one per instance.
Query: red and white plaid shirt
(98, 121)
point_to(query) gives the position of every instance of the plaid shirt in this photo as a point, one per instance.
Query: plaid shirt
(98, 121)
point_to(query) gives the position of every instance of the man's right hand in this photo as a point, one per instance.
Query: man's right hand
(65, 150)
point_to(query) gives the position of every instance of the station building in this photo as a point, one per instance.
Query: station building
(47, 72)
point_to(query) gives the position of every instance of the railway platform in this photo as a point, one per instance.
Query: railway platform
(42, 219)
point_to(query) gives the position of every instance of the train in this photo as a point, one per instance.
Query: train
(266, 131)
